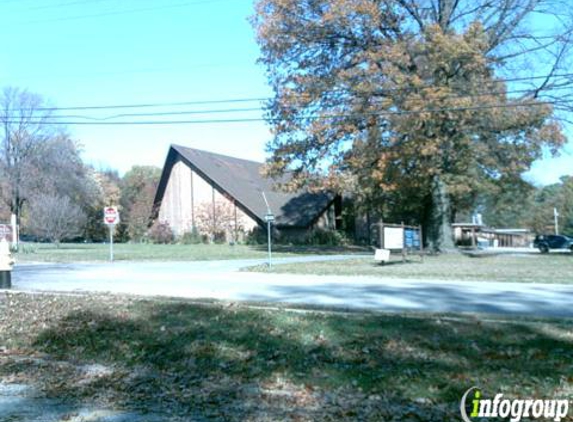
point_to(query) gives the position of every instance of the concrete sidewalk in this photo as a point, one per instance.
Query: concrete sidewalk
(221, 280)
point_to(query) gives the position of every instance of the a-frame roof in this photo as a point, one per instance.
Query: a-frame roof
(242, 181)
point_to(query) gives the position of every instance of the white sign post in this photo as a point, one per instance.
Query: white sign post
(111, 218)
(269, 218)
(15, 234)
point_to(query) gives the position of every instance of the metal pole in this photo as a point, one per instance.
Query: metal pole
(269, 244)
(111, 227)
(556, 216)
(421, 236)
(15, 234)
(403, 243)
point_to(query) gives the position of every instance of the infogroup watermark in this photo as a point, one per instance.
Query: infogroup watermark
(514, 409)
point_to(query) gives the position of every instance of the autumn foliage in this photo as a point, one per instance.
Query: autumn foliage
(405, 108)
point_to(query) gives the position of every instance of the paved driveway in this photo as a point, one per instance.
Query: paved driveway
(221, 280)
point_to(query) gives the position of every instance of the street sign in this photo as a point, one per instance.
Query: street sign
(269, 218)
(110, 216)
(6, 232)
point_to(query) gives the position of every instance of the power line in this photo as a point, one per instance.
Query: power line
(165, 113)
(259, 99)
(315, 117)
(147, 105)
(233, 110)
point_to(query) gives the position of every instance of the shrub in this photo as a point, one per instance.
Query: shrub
(161, 232)
(55, 218)
(257, 236)
(325, 237)
(219, 238)
(192, 237)
(217, 221)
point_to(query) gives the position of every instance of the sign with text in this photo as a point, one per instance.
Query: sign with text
(110, 216)
(411, 238)
(393, 237)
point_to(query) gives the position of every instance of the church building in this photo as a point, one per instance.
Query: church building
(195, 183)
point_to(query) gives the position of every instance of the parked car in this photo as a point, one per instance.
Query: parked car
(546, 242)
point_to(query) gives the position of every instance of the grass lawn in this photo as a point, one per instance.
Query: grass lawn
(234, 363)
(528, 268)
(73, 252)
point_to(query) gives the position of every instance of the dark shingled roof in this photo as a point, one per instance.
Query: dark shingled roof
(242, 181)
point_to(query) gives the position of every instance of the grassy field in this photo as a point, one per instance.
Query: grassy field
(528, 268)
(74, 252)
(229, 362)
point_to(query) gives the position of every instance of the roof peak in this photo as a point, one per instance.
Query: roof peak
(202, 151)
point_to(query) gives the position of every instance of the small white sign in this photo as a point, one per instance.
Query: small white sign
(393, 237)
(382, 255)
(110, 216)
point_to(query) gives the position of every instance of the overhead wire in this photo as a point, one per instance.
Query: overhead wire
(238, 110)
(258, 99)
(310, 117)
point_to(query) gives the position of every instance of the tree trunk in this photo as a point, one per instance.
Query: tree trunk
(439, 228)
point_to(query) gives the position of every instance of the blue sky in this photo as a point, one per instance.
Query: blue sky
(107, 52)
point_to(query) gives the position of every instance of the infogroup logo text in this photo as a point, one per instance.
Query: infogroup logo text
(515, 409)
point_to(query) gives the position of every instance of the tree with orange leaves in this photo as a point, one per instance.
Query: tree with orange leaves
(413, 105)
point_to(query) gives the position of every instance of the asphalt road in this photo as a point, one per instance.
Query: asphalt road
(222, 280)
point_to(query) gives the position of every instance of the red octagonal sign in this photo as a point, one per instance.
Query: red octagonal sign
(110, 215)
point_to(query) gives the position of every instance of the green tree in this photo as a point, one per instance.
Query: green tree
(138, 188)
(107, 182)
(508, 204)
(405, 102)
(556, 196)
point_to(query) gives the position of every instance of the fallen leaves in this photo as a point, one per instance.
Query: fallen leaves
(219, 362)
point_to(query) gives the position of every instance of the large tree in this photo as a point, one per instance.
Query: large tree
(56, 170)
(414, 105)
(26, 128)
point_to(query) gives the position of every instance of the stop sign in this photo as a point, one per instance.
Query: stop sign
(6, 232)
(110, 215)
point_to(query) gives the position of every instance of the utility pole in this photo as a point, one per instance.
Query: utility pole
(556, 217)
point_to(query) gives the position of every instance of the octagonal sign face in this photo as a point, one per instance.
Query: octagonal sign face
(110, 215)
(6, 232)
